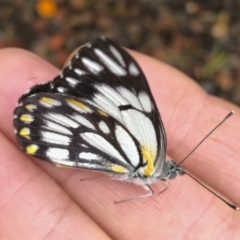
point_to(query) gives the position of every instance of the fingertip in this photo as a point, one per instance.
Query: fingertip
(23, 69)
(19, 70)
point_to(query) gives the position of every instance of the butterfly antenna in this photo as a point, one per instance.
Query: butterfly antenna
(219, 124)
(235, 207)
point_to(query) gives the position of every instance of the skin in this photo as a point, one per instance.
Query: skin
(41, 201)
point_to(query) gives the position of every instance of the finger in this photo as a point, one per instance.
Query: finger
(20, 70)
(88, 195)
(188, 109)
(189, 114)
(197, 200)
(32, 205)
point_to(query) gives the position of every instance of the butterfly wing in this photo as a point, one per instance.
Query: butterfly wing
(107, 78)
(67, 131)
(101, 72)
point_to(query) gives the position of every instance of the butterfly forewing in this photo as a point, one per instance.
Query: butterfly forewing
(107, 76)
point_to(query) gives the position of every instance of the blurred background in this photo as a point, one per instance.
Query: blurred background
(201, 37)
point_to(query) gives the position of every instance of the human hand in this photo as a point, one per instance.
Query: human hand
(41, 201)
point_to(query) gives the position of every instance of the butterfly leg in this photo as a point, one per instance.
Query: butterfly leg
(150, 193)
(166, 186)
(100, 178)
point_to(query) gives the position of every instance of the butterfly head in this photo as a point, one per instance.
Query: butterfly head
(172, 170)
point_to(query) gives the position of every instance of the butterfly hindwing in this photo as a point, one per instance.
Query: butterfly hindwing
(70, 132)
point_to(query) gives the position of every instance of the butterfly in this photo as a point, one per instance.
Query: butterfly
(97, 114)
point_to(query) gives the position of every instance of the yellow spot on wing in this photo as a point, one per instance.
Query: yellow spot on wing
(26, 118)
(31, 149)
(103, 113)
(47, 100)
(148, 156)
(76, 103)
(118, 169)
(30, 107)
(24, 132)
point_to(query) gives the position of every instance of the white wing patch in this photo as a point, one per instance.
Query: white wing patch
(133, 69)
(72, 81)
(89, 156)
(51, 137)
(56, 127)
(103, 127)
(131, 98)
(91, 65)
(61, 119)
(102, 144)
(61, 89)
(112, 94)
(107, 105)
(145, 101)
(83, 121)
(127, 144)
(83, 145)
(112, 66)
(79, 71)
(117, 55)
(58, 153)
(142, 129)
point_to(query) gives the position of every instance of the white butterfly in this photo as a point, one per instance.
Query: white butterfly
(98, 114)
